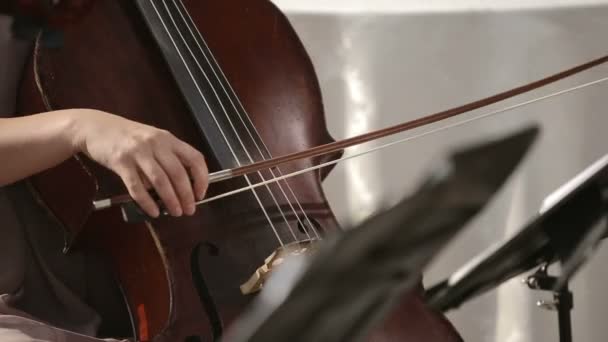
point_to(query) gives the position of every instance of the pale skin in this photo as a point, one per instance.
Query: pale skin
(143, 156)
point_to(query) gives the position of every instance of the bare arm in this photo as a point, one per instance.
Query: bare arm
(31, 144)
(140, 154)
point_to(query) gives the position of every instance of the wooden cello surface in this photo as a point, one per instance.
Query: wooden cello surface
(181, 276)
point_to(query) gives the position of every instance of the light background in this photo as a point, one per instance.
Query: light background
(384, 62)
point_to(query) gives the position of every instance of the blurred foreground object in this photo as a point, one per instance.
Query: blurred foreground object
(356, 278)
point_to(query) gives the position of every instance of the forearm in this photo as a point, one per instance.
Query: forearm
(34, 143)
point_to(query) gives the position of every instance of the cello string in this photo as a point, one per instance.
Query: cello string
(215, 120)
(230, 93)
(415, 136)
(240, 113)
(227, 116)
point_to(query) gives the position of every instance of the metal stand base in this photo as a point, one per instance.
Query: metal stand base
(562, 300)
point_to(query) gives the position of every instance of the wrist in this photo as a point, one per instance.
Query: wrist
(74, 128)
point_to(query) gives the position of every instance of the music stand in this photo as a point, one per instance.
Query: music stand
(565, 230)
(357, 277)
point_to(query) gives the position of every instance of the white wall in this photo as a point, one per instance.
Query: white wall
(426, 6)
(380, 63)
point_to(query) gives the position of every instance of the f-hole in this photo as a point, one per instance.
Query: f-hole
(203, 293)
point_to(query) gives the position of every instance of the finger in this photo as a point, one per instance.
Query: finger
(179, 178)
(145, 180)
(195, 162)
(161, 183)
(135, 186)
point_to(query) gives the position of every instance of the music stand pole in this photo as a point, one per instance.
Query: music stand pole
(563, 300)
(565, 304)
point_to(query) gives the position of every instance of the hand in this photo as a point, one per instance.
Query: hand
(144, 156)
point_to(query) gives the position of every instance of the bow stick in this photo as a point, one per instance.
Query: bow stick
(363, 138)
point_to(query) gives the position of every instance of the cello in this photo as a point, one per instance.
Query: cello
(232, 79)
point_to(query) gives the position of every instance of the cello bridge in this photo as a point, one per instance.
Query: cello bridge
(259, 277)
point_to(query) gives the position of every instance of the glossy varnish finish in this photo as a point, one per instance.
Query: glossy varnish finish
(181, 276)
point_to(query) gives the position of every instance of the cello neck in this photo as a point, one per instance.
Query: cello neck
(213, 104)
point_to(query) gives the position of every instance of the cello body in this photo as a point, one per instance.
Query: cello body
(180, 276)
